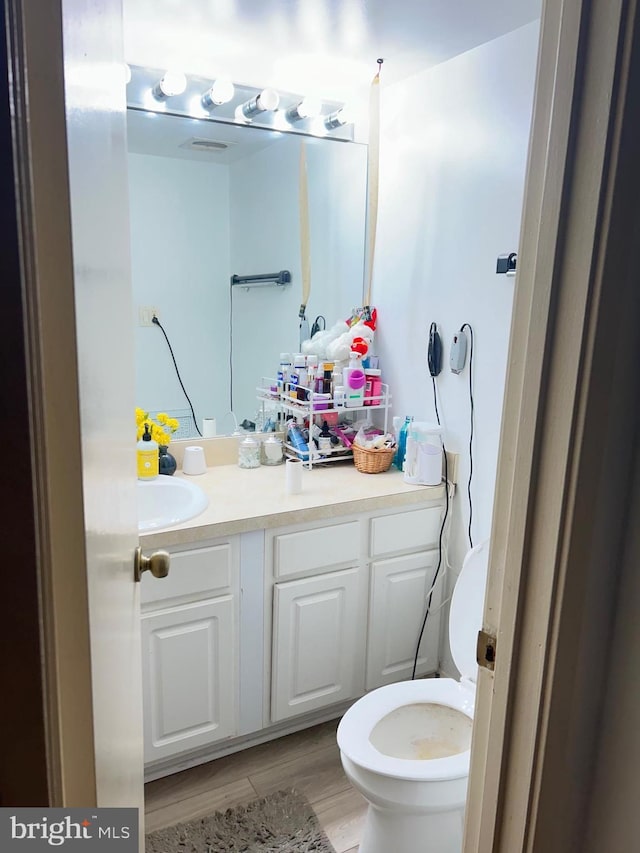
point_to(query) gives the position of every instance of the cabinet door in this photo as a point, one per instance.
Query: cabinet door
(189, 679)
(318, 642)
(399, 590)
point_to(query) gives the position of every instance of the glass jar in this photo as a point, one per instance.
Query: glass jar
(272, 451)
(249, 453)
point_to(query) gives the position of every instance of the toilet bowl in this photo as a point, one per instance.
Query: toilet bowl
(406, 746)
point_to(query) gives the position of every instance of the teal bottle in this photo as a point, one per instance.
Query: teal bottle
(398, 459)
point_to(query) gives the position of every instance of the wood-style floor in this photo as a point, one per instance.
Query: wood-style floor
(308, 761)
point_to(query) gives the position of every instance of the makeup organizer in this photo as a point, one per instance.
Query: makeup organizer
(319, 407)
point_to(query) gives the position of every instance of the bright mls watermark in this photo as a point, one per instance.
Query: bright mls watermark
(74, 830)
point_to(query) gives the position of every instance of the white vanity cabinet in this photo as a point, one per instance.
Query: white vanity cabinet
(271, 630)
(350, 620)
(190, 650)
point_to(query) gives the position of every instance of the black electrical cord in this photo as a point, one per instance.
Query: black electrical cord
(157, 323)
(471, 416)
(444, 521)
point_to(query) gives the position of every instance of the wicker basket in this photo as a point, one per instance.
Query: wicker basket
(372, 461)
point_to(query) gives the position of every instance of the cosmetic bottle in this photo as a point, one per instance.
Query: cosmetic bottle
(300, 370)
(373, 387)
(312, 370)
(147, 456)
(354, 382)
(398, 459)
(297, 440)
(283, 371)
(324, 439)
(338, 396)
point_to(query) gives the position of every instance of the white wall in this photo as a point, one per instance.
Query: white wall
(453, 157)
(265, 237)
(180, 263)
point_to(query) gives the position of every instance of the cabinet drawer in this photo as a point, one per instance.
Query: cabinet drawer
(415, 530)
(312, 550)
(202, 570)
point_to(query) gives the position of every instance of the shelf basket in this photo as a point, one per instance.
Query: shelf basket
(372, 461)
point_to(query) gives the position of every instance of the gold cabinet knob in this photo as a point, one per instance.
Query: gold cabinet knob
(158, 564)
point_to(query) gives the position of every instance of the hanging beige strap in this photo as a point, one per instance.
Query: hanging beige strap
(305, 250)
(373, 170)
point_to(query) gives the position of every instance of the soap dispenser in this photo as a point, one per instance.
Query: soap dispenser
(148, 457)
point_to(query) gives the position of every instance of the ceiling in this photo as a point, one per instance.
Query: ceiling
(323, 47)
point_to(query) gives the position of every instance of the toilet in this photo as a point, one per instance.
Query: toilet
(406, 746)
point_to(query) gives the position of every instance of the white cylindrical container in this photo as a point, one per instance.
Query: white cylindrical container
(293, 476)
(194, 461)
(423, 458)
(209, 429)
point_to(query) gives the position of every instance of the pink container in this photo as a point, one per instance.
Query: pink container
(373, 387)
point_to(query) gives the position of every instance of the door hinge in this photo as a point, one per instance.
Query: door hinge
(486, 650)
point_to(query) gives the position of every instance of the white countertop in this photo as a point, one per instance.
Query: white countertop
(241, 500)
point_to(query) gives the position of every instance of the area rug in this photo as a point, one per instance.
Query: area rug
(283, 822)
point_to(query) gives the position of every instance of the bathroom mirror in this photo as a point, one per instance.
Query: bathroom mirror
(208, 201)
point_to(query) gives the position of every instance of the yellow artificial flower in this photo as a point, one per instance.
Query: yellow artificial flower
(161, 428)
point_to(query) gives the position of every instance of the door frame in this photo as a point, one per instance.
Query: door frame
(552, 605)
(564, 476)
(49, 428)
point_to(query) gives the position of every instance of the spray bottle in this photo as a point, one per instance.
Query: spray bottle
(398, 459)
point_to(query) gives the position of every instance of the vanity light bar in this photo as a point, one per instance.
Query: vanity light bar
(220, 99)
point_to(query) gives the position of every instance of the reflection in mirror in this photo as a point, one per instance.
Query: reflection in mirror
(203, 212)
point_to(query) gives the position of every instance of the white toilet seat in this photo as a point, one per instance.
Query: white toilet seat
(357, 724)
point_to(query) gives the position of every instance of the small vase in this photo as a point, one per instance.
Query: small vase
(166, 463)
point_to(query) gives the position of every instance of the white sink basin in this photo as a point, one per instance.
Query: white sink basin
(168, 500)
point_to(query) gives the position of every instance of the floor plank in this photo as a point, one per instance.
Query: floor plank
(308, 761)
(342, 817)
(200, 805)
(316, 775)
(231, 768)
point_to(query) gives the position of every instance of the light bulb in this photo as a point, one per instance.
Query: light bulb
(172, 83)
(267, 100)
(221, 92)
(307, 108)
(127, 73)
(339, 118)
